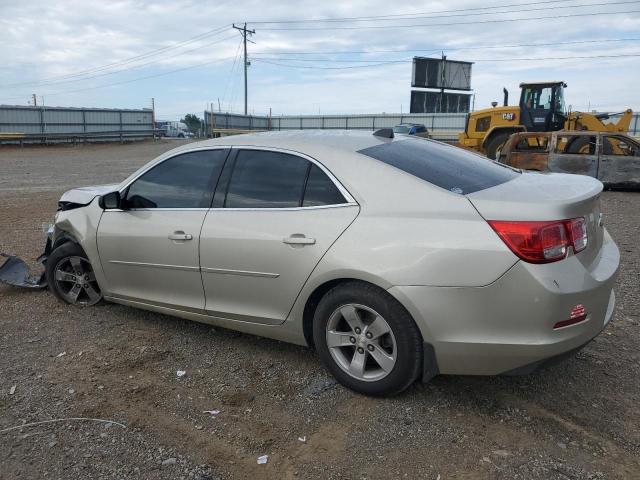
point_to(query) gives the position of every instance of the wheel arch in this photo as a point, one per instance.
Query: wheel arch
(65, 237)
(312, 300)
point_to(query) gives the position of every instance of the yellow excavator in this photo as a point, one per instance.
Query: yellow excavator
(541, 109)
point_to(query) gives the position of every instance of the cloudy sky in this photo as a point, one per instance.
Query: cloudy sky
(185, 54)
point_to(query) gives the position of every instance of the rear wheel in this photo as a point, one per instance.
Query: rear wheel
(70, 276)
(496, 144)
(367, 339)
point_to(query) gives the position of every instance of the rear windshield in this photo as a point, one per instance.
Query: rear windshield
(445, 166)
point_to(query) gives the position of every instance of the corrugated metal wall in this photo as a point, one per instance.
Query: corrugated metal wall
(58, 122)
(441, 125)
(437, 123)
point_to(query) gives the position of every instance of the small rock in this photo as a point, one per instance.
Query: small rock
(52, 444)
(562, 445)
(12, 390)
(169, 461)
(181, 373)
(501, 453)
(71, 391)
(198, 427)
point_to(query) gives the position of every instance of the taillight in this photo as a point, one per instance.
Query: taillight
(542, 242)
(578, 228)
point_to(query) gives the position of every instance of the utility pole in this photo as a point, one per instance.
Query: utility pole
(244, 32)
(35, 100)
(442, 79)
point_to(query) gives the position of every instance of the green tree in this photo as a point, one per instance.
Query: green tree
(192, 122)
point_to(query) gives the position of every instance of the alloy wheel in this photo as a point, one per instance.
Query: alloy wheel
(76, 281)
(361, 342)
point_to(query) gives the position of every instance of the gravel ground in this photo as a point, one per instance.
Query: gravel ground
(576, 420)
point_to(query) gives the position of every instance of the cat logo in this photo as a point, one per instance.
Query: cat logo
(508, 116)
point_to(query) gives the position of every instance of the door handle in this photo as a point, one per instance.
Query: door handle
(299, 239)
(180, 235)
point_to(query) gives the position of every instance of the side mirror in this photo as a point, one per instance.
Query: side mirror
(110, 200)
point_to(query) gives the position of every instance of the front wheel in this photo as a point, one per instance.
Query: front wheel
(70, 276)
(496, 145)
(367, 339)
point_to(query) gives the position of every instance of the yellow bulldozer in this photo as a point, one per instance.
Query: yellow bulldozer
(541, 109)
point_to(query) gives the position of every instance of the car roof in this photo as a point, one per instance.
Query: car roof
(308, 142)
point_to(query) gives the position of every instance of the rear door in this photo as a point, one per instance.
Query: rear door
(575, 154)
(275, 215)
(149, 249)
(619, 161)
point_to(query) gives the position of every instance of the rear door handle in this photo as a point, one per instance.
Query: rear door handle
(299, 239)
(180, 235)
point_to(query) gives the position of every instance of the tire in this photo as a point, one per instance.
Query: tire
(580, 145)
(364, 302)
(65, 265)
(496, 143)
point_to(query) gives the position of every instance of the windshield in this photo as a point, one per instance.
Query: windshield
(401, 129)
(538, 97)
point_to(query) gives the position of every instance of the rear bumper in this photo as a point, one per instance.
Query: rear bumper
(508, 325)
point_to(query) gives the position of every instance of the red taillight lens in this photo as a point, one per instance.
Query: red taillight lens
(578, 314)
(542, 242)
(578, 229)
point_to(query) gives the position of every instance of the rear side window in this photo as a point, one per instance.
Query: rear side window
(445, 166)
(320, 190)
(263, 179)
(183, 181)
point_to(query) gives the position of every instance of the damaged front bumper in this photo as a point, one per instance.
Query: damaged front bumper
(14, 271)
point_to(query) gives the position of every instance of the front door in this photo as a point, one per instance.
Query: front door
(149, 248)
(280, 214)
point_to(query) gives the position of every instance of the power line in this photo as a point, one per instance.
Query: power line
(104, 74)
(389, 62)
(129, 60)
(410, 15)
(480, 22)
(231, 74)
(466, 13)
(448, 49)
(139, 78)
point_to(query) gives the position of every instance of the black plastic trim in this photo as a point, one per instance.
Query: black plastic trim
(430, 363)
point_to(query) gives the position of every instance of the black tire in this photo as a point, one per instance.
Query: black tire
(57, 259)
(577, 145)
(408, 340)
(496, 142)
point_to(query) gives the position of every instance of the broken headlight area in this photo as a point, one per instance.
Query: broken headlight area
(14, 271)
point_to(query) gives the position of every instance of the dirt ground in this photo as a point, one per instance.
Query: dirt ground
(576, 420)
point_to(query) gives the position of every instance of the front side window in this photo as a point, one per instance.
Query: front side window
(183, 181)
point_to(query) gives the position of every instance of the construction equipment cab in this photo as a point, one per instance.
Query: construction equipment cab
(542, 106)
(541, 109)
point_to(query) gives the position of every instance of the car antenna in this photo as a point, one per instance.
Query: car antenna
(384, 132)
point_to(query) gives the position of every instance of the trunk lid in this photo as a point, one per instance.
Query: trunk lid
(546, 197)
